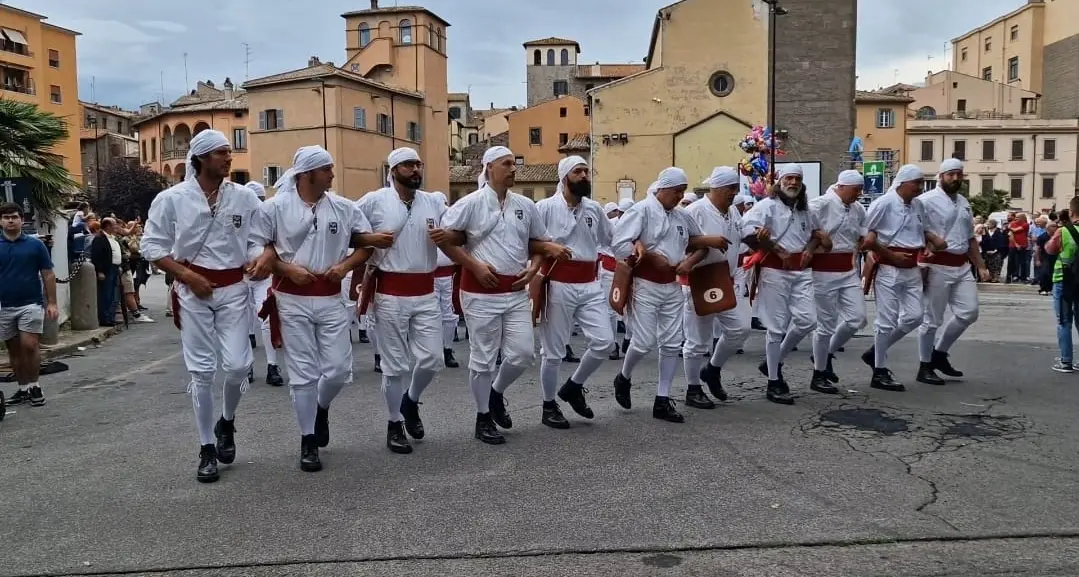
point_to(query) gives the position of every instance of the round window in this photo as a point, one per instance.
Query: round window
(721, 83)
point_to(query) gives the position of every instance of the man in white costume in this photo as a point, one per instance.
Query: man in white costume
(404, 304)
(623, 327)
(607, 265)
(444, 288)
(895, 235)
(704, 359)
(951, 251)
(742, 203)
(784, 233)
(574, 294)
(259, 290)
(654, 236)
(503, 230)
(837, 285)
(197, 232)
(688, 199)
(305, 233)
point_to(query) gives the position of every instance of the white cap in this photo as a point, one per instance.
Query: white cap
(307, 158)
(951, 164)
(492, 154)
(257, 188)
(789, 170)
(625, 204)
(722, 176)
(850, 178)
(610, 206)
(203, 143)
(672, 177)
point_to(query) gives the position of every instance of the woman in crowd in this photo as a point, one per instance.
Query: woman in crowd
(994, 245)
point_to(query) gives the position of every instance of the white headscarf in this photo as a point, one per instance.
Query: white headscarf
(566, 166)
(850, 178)
(307, 158)
(906, 173)
(652, 188)
(689, 198)
(492, 154)
(722, 176)
(788, 170)
(672, 177)
(398, 156)
(257, 188)
(204, 142)
(610, 206)
(950, 164)
(625, 204)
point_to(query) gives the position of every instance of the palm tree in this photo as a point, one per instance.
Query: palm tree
(27, 134)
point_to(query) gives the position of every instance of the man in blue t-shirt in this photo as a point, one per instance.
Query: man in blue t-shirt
(26, 267)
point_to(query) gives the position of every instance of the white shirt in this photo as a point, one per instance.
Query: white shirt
(951, 219)
(583, 230)
(215, 240)
(314, 237)
(844, 223)
(412, 249)
(497, 235)
(790, 229)
(712, 222)
(114, 246)
(896, 223)
(662, 231)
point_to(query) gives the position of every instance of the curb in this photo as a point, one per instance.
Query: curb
(50, 352)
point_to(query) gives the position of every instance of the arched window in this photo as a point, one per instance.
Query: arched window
(439, 40)
(365, 34)
(565, 57)
(550, 57)
(405, 30)
(455, 112)
(537, 57)
(431, 41)
(926, 113)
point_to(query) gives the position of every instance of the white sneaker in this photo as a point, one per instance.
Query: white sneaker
(144, 319)
(1062, 367)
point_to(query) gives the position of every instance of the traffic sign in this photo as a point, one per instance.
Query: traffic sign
(874, 168)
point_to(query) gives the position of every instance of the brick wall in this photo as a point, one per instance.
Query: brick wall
(541, 81)
(815, 57)
(1060, 91)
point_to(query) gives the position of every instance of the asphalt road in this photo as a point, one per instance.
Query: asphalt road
(975, 478)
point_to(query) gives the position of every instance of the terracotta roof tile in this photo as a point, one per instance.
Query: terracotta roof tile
(608, 70)
(546, 173)
(237, 103)
(320, 71)
(553, 41)
(473, 153)
(863, 96)
(393, 10)
(579, 143)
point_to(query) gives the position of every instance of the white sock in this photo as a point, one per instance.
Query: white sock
(772, 355)
(549, 377)
(421, 378)
(952, 331)
(507, 373)
(373, 337)
(790, 340)
(305, 404)
(668, 366)
(926, 336)
(693, 365)
(393, 389)
(633, 356)
(480, 383)
(881, 343)
(327, 392)
(202, 399)
(842, 334)
(447, 333)
(231, 399)
(722, 353)
(24, 388)
(591, 361)
(271, 353)
(820, 351)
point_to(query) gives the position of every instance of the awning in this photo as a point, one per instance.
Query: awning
(14, 36)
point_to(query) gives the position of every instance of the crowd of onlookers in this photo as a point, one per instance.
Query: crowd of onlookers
(112, 246)
(1014, 251)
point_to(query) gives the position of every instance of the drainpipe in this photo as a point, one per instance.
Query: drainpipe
(1034, 173)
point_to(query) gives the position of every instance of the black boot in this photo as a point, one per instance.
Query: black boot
(486, 430)
(621, 327)
(779, 393)
(396, 441)
(251, 374)
(499, 414)
(447, 358)
(625, 345)
(569, 358)
(740, 352)
(757, 325)
(254, 344)
(696, 398)
(927, 375)
(715, 343)
(821, 384)
(573, 393)
(614, 356)
(207, 465)
(763, 368)
(322, 426)
(226, 441)
(829, 371)
(553, 417)
(273, 376)
(621, 390)
(309, 461)
(411, 411)
(711, 376)
(883, 380)
(363, 337)
(378, 363)
(870, 357)
(456, 338)
(941, 363)
(663, 409)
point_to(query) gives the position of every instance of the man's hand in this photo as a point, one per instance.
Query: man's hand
(51, 312)
(638, 253)
(781, 253)
(485, 274)
(380, 239)
(198, 284)
(524, 278)
(683, 268)
(556, 251)
(983, 273)
(763, 234)
(720, 243)
(440, 235)
(807, 258)
(936, 242)
(262, 267)
(824, 240)
(299, 276)
(337, 272)
(100, 276)
(899, 259)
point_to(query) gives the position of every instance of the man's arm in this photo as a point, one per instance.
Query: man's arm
(48, 278)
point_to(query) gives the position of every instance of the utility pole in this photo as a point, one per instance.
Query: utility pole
(187, 85)
(247, 60)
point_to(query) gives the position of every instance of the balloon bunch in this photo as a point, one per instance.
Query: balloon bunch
(757, 145)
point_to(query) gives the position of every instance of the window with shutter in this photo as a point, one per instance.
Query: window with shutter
(359, 118)
(1017, 149)
(280, 118)
(262, 120)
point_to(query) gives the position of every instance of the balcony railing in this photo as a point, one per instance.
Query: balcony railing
(19, 89)
(174, 154)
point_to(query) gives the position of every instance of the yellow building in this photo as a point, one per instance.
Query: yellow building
(38, 65)
(165, 133)
(949, 94)
(537, 132)
(881, 123)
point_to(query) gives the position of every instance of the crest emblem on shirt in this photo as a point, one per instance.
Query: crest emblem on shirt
(430, 223)
(681, 230)
(803, 223)
(588, 221)
(237, 220)
(333, 227)
(520, 214)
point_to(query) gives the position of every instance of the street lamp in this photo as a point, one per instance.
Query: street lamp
(774, 9)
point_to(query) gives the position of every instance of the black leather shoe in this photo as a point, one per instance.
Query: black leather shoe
(927, 375)
(829, 371)
(821, 384)
(226, 441)
(486, 430)
(553, 417)
(251, 374)
(883, 380)
(309, 461)
(447, 358)
(396, 441)
(696, 398)
(614, 356)
(573, 393)
(363, 337)
(499, 414)
(207, 465)
(779, 393)
(273, 376)
(621, 391)
(740, 352)
(941, 363)
(569, 358)
(757, 325)
(254, 344)
(870, 357)
(763, 368)
(410, 410)
(712, 376)
(625, 345)
(378, 363)
(663, 409)
(322, 426)
(621, 327)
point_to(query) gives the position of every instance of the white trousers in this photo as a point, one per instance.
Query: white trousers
(444, 290)
(498, 322)
(840, 313)
(948, 286)
(741, 286)
(898, 293)
(655, 313)
(583, 304)
(787, 310)
(733, 331)
(259, 291)
(409, 328)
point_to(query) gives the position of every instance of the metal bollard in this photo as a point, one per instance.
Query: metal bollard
(84, 299)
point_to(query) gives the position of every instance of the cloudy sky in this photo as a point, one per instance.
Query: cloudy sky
(129, 46)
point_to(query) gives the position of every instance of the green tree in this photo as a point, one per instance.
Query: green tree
(127, 189)
(985, 204)
(27, 135)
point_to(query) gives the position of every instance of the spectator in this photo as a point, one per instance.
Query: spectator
(993, 246)
(27, 298)
(129, 249)
(1065, 245)
(106, 256)
(1045, 260)
(1036, 230)
(1019, 249)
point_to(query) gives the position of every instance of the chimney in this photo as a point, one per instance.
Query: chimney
(374, 4)
(313, 61)
(229, 93)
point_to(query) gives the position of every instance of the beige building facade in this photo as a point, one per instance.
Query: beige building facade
(949, 94)
(1033, 159)
(538, 132)
(881, 123)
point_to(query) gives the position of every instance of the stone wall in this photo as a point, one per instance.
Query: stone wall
(541, 81)
(1060, 90)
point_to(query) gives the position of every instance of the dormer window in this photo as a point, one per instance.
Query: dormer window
(365, 34)
(405, 30)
